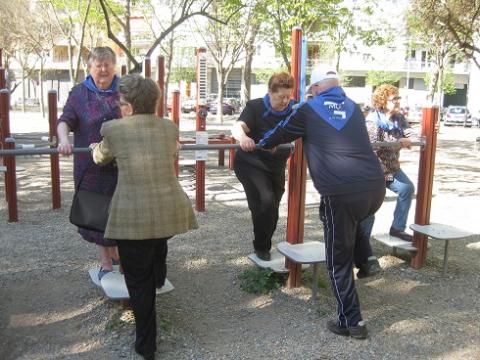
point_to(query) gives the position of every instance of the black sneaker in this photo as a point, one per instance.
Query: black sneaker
(401, 234)
(358, 331)
(333, 326)
(370, 268)
(263, 255)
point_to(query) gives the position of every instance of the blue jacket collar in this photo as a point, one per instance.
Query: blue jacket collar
(90, 84)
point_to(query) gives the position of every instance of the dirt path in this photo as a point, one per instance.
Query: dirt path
(50, 310)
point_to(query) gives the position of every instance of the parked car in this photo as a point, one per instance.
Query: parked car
(227, 109)
(29, 102)
(188, 106)
(234, 102)
(415, 115)
(457, 115)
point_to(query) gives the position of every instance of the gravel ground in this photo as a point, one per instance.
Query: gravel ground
(49, 309)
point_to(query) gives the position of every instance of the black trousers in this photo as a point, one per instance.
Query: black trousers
(340, 215)
(264, 190)
(138, 258)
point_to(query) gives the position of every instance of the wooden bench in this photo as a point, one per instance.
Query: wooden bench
(311, 252)
(443, 232)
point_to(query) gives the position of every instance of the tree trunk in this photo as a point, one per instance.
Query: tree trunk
(220, 76)
(70, 62)
(128, 37)
(247, 71)
(168, 70)
(40, 80)
(23, 88)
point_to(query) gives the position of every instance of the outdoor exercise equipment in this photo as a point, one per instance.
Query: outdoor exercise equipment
(114, 286)
(10, 164)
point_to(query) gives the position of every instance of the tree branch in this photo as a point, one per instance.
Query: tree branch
(112, 36)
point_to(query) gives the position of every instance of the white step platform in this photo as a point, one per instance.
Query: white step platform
(394, 242)
(276, 264)
(311, 252)
(114, 287)
(437, 231)
(93, 272)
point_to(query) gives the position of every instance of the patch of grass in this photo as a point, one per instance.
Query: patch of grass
(260, 281)
(165, 325)
(324, 312)
(307, 278)
(113, 324)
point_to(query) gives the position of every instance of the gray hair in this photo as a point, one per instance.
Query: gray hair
(101, 53)
(142, 93)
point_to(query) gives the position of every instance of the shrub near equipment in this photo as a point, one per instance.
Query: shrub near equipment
(260, 281)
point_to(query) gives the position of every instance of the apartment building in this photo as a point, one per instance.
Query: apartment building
(410, 65)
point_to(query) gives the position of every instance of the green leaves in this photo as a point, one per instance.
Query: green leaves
(376, 78)
(260, 281)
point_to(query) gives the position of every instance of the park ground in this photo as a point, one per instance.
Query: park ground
(49, 309)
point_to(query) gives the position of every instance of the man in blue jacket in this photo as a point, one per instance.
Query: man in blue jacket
(346, 173)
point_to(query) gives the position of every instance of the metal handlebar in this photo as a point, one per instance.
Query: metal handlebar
(183, 147)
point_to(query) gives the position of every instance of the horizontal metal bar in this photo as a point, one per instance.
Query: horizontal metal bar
(183, 147)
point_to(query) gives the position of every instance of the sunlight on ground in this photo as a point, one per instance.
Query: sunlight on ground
(239, 261)
(25, 320)
(474, 246)
(406, 327)
(196, 264)
(402, 287)
(259, 302)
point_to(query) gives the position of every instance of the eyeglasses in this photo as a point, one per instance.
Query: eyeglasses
(395, 99)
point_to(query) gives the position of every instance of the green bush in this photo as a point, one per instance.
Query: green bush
(260, 281)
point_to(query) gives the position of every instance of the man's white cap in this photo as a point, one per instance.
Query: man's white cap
(322, 72)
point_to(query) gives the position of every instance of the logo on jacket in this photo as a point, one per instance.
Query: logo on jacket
(337, 109)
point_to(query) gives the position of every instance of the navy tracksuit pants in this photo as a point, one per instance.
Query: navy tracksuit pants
(340, 215)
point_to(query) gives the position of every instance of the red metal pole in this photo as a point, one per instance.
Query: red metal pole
(147, 68)
(3, 85)
(9, 161)
(201, 126)
(3, 79)
(161, 85)
(54, 158)
(297, 173)
(231, 154)
(123, 70)
(426, 170)
(175, 116)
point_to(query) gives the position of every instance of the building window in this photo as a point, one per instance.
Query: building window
(357, 81)
(60, 53)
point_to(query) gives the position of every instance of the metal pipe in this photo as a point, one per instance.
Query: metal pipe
(183, 147)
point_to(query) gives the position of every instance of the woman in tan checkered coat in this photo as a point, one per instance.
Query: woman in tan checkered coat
(148, 206)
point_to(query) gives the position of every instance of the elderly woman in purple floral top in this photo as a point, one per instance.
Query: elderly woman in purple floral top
(88, 106)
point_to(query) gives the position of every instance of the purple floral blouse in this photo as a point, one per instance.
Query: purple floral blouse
(84, 113)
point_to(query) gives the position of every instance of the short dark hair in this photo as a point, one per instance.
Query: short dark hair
(101, 53)
(281, 80)
(142, 93)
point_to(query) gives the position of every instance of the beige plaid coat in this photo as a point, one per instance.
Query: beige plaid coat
(148, 202)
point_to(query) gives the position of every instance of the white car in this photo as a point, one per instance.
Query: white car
(457, 115)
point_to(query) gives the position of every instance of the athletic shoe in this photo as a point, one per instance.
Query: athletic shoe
(370, 268)
(358, 331)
